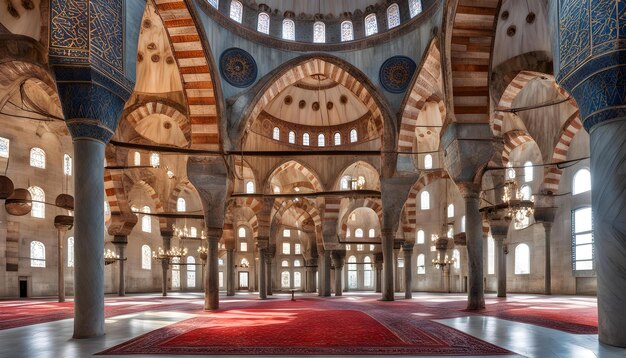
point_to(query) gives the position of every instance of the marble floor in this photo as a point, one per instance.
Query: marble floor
(54, 340)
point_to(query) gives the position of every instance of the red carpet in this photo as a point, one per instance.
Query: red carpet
(577, 321)
(309, 327)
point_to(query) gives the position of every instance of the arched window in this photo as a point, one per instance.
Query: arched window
(67, 164)
(38, 206)
(285, 280)
(352, 274)
(345, 183)
(353, 136)
(37, 158)
(319, 32)
(337, 138)
(393, 16)
(347, 31)
(463, 223)
(525, 191)
(305, 139)
(425, 201)
(191, 272)
(415, 7)
(176, 272)
(146, 220)
(214, 3)
(358, 233)
(582, 181)
(528, 171)
(137, 159)
(263, 23)
(146, 262)
(249, 187)
(289, 30)
(276, 133)
(284, 263)
(286, 248)
(321, 140)
(522, 259)
(236, 11)
(510, 172)
(193, 232)
(451, 210)
(367, 271)
(241, 232)
(371, 25)
(421, 267)
(297, 279)
(297, 263)
(4, 147)
(292, 137)
(155, 160)
(37, 254)
(371, 233)
(491, 255)
(582, 239)
(420, 236)
(428, 161)
(347, 235)
(70, 251)
(181, 206)
(456, 255)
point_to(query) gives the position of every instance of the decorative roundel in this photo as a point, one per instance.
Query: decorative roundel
(238, 67)
(396, 73)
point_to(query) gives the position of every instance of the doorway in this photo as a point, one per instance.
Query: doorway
(23, 288)
(243, 280)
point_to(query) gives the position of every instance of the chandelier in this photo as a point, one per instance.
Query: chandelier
(110, 257)
(441, 244)
(174, 252)
(203, 252)
(184, 233)
(519, 206)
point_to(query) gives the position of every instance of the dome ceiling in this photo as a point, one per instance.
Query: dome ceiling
(319, 6)
(316, 101)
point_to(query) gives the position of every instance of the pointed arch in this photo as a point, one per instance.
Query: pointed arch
(311, 175)
(512, 140)
(158, 107)
(552, 176)
(374, 204)
(410, 206)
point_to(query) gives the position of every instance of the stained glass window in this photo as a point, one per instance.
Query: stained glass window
(146, 263)
(393, 16)
(191, 272)
(425, 200)
(353, 136)
(181, 206)
(321, 140)
(241, 232)
(415, 7)
(38, 206)
(276, 133)
(305, 139)
(289, 29)
(67, 164)
(347, 31)
(319, 32)
(4, 147)
(358, 233)
(371, 25)
(337, 138)
(292, 137)
(263, 24)
(37, 254)
(236, 11)
(146, 220)
(297, 249)
(250, 187)
(38, 158)
(286, 248)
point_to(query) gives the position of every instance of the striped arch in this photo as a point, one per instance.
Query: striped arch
(552, 177)
(309, 211)
(250, 207)
(512, 140)
(151, 108)
(122, 219)
(14, 73)
(158, 205)
(426, 88)
(295, 165)
(197, 72)
(373, 204)
(410, 206)
(182, 185)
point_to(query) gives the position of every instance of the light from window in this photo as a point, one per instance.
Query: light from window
(420, 236)
(367, 272)
(249, 187)
(244, 262)
(450, 231)
(491, 255)
(451, 210)
(289, 30)
(393, 16)
(146, 220)
(522, 259)
(415, 7)
(297, 279)
(263, 24)
(146, 262)
(284, 279)
(191, 272)
(286, 248)
(67, 164)
(425, 201)
(345, 183)
(38, 206)
(347, 235)
(456, 255)
(525, 191)
(297, 263)
(292, 137)
(220, 278)
(276, 133)
(360, 247)
(421, 267)
(428, 161)
(522, 222)
(353, 136)
(319, 32)
(38, 158)
(347, 31)
(181, 205)
(137, 158)
(463, 223)
(214, 3)
(358, 233)
(371, 233)
(510, 172)
(193, 231)
(37, 254)
(582, 239)
(372, 247)
(528, 172)
(4, 147)
(286, 233)
(337, 137)
(220, 262)
(582, 181)
(243, 246)
(241, 232)
(305, 139)
(352, 274)
(70, 251)
(371, 26)
(284, 263)
(321, 140)
(236, 11)
(297, 249)
(155, 160)
(348, 247)
(176, 272)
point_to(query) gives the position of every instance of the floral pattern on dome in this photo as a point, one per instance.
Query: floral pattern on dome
(238, 67)
(396, 73)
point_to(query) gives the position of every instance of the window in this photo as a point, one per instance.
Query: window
(371, 25)
(348, 247)
(146, 264)
(297, 279)
(292, 137)
(582, 239)
(582, 181)
(191, 272)
(289, 30)
(420, 236)
(358, 233)
(284, 279)
(522, 259)
(491, 255)
(241, 232)
(367, 271)
(243, 246)
(347, 31)
(463, 223)
(176, 272)
(425, 201)
(421, 267)
(4, 147)
(337, 137)
(297, 263)
(220, 262)
(415, 7)
(244, 263)
(345, 183)
(319, 32)
(371, 233)
(284, 263)
(276, 133)
(70, 252)
(525, 191)
(181, 206)
(393, 16)
(37, 254)
(297, 249)
(263, 23)
(353, 136)
(193, 231)
(287, 233)
(137, 158)
(347, 233)
(236, 11)
(352, 274)
(372, 247)
(249, 187)
(155, 160)
(428, 161)
(360, 247)
(38, 158)
(214, 3)
(451, 210)
(146, 220)
(321, 140)
(510, 172)
(38, 206)
(305, 139)
(286, 248)
(67, 164)
(450, 231)
(528, 171)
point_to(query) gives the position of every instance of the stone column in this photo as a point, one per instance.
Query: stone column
(120, 243)
(396, 269)
(212, 283)
(262, 274)
(63, 223)
(407, 248)
(548, 269)
(165, 264)
(501, 262)
(270, 253)
(338, 261)
(230, 272)
(378, 266)
(388, 237)
(311, 270)
(324, 281)
(474, 233)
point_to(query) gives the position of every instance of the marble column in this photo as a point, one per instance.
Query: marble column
(165, 264)
(89, 238)
(547, 226)
(324, 281)
(501, 263)
(378, 266)
(396, 269)
(408, 271)
(387, 246)
(212, 283)
(269, 256)
(311, 270)
(62, 228)
(120, 243)
(338, 262)
(230, 272)
(474, 234)
(262, 274)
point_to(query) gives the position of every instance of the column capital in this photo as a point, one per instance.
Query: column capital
(408, 247)
(120, 240)
(469, 190)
